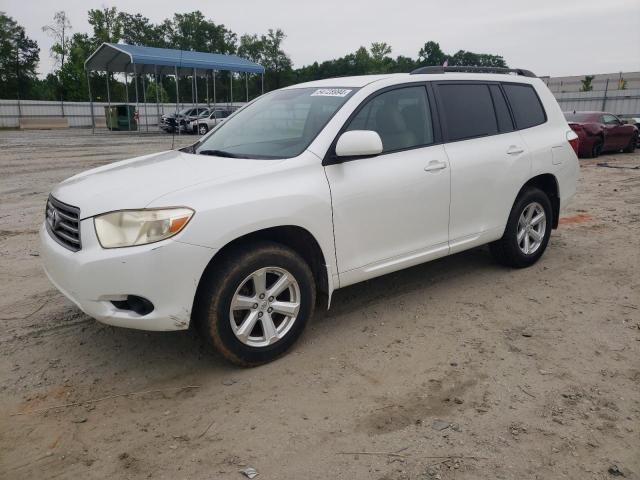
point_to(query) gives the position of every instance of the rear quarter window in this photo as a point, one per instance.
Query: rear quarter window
(525, 105)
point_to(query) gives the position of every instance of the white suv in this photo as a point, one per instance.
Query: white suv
(308, 189)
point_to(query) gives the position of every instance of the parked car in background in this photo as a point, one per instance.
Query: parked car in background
(187, 119)
(206, 123)
(633, 121)
(308, 189)
(601, 132)
(169, 122)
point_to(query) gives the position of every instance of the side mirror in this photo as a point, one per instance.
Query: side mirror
(359, 143)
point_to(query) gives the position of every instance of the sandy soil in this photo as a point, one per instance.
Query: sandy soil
(457, 369)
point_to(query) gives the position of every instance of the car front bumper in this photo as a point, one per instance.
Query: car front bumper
(166, 273)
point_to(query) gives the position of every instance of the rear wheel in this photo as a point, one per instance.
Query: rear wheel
(633, 142)
(255, 303)
(528, 230)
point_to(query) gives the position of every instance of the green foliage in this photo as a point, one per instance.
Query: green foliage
(187, 31)
(107, 25)
(19, 56)
(59, 30)
(586, 83)
(431, 55)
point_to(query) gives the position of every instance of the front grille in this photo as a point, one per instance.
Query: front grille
(63, 223)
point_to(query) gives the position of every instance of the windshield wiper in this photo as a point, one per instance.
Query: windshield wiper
(218, 153)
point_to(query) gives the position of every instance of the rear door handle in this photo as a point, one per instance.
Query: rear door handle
(435, 165)
(515, 150)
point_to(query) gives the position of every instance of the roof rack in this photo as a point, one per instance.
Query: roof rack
(463, 69)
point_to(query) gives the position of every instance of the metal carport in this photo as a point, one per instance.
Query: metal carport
(137, 60)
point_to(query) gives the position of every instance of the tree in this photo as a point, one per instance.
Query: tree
(107, 25)
(19, 57)
(380, 59)
(252, 48)
(73, 75)
(59, 31)
(275, 60)
(192, 31)
(471, 59)
(138, 30)
(586, 83)
(431, 54)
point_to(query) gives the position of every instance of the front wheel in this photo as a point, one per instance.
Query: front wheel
(202, 129)
(528, 230)
(254, 304)
(631, 147)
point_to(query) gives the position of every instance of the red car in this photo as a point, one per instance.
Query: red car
(601, 132)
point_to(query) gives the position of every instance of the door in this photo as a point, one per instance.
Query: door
(392, 210)
(488, 157)
(614, 134)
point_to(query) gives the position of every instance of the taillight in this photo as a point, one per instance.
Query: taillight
(573, 140)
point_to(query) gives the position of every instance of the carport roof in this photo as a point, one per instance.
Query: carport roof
(120, 57)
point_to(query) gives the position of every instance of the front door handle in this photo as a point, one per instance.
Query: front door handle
(435, 165)
(515, 150)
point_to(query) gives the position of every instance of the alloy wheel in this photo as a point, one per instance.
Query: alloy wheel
(532, 226)
(264, 307)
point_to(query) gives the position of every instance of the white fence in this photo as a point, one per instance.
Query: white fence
(78, 114)
(621, 102)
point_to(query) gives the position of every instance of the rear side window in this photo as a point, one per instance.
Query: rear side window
(468, 110)
(505, 124)
(401, 117)
(525, 104)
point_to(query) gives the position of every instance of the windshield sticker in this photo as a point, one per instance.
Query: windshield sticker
(331, 92)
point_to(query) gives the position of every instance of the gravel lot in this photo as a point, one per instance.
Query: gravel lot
(454, 369)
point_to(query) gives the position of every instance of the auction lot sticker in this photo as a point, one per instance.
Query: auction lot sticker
(331, 92)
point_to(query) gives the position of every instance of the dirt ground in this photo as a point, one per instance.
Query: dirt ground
(456, 369)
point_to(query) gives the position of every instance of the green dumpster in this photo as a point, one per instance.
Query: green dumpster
(121, 117)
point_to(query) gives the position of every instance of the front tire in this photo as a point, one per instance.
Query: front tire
(254, 304)
(528, 230)
(631, 147)
(203, 129)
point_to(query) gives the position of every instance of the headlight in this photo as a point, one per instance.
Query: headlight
(127, 228)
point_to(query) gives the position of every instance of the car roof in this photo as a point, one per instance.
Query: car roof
(360, 81)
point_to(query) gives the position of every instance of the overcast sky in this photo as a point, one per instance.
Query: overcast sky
(549, 37)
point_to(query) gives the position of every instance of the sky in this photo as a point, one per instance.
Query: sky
(549, 37)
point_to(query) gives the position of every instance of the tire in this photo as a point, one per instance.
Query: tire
(203, 129)
(232, 280)
(510, 249)
(631, 147)
(596, 149)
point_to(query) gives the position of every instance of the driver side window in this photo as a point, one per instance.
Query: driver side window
(609, 120)
(401, 117)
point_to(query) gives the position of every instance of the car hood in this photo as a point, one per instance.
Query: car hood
(135, 183)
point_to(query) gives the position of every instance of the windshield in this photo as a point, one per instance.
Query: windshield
(280, 124)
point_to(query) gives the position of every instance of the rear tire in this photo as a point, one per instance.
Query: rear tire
(527, 232)
(239, 305)
(633, 142)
